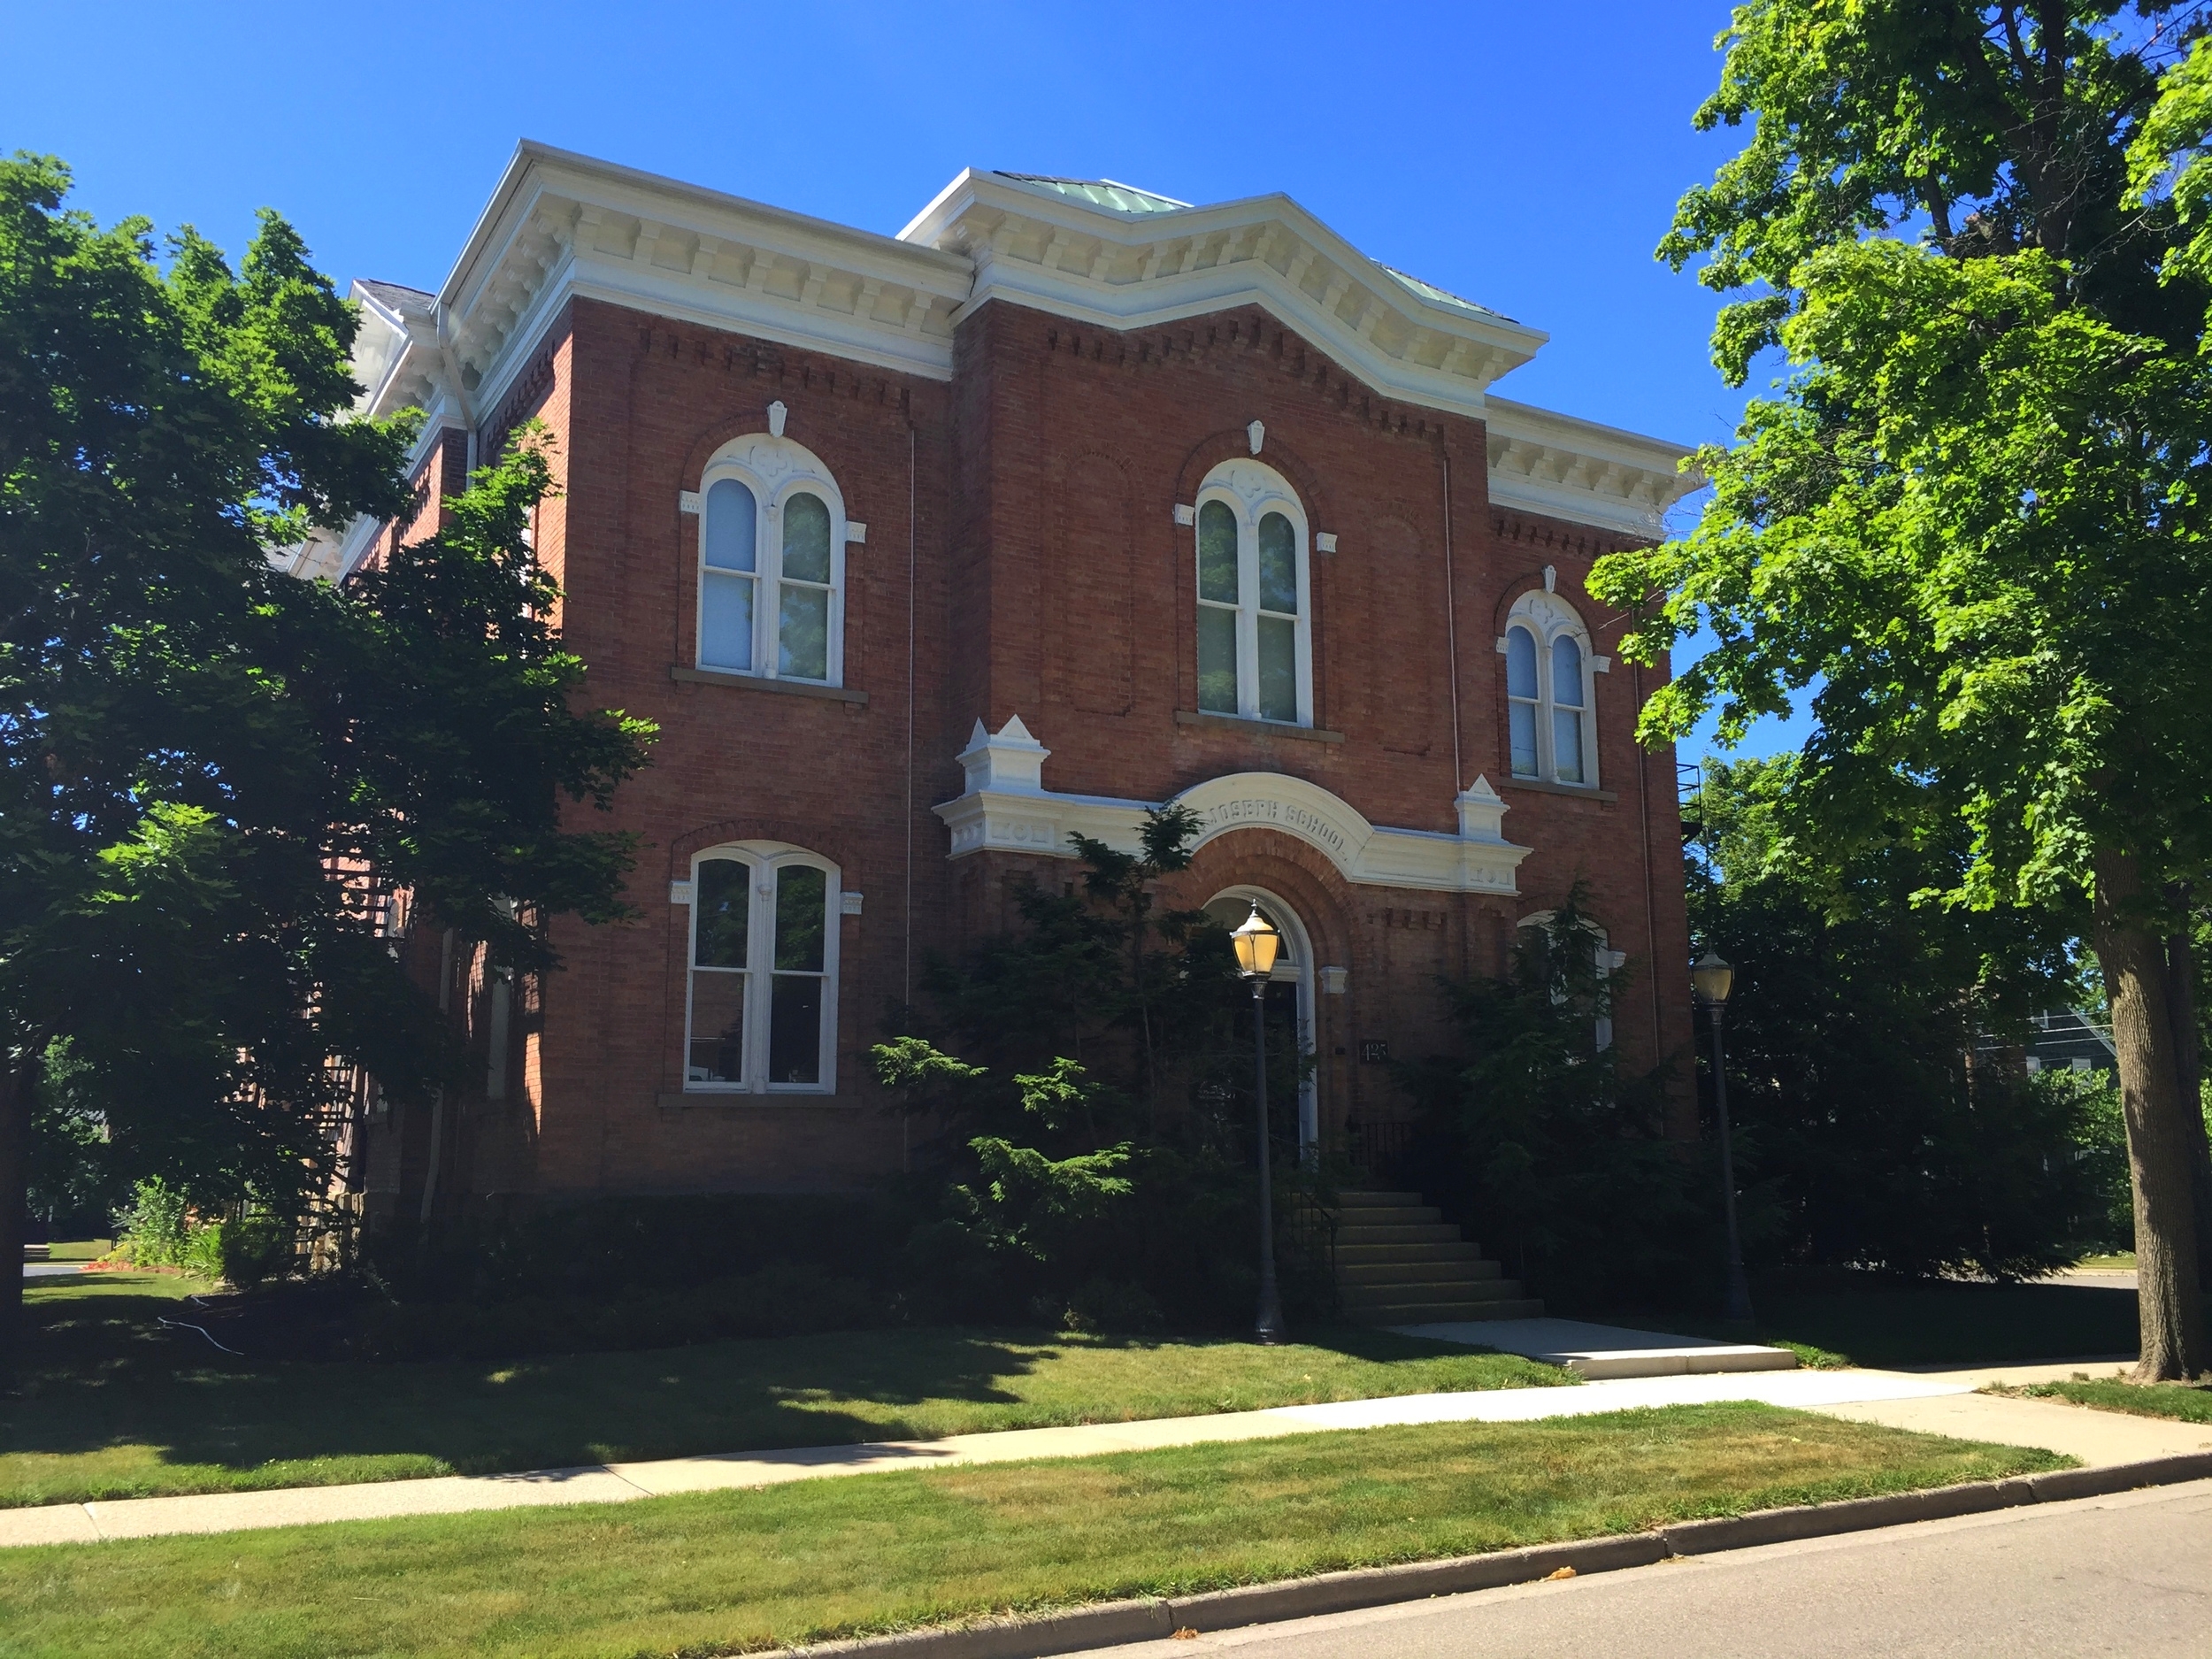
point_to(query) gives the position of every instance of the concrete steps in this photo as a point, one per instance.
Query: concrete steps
(1399, 1262)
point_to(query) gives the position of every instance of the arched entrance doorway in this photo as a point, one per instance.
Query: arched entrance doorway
(1288, 999)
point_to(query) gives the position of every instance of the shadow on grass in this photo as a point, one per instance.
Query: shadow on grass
(124, 1379)
(1868, 1319)
(138, 1406)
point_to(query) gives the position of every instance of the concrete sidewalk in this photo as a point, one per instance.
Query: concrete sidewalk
(617, 1483)
(1606, 1351)
(2097, 1436)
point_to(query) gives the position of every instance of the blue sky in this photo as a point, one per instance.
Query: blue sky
(1524, 156)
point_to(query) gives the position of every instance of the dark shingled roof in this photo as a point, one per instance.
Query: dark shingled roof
(399, 297)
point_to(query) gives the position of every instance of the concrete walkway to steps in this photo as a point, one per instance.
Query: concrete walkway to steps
(1938, 1404)
(1606, 1351)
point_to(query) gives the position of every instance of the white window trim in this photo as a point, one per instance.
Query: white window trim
(763, 858)
(1602, 955)
(1546, 617)
(1251, 489)
(774, 469)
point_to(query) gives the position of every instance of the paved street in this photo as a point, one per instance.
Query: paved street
(2128, 1575)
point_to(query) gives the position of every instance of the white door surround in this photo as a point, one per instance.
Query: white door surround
(1006, 808)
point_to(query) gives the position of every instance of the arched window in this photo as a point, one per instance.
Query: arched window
(762, 1010)
(1254, 600)
(1549, 671)
(1536, 933)
(771, 563)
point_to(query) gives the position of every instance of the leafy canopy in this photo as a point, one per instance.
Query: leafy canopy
(1970, 525)
(203, 759)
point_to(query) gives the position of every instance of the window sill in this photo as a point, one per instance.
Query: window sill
(1262, 728)
(761, 682)
(1588, 792)
(737, 1099)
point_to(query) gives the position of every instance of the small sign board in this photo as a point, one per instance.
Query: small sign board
(1374, 1052)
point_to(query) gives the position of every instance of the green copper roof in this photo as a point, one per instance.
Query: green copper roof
(1127, 198)
(1440, 296)
(1122, 198)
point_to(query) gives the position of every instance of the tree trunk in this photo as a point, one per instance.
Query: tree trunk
(2181, 1014)
(2160, 1143)
(15, 1149)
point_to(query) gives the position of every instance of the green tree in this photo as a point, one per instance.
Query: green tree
(202, 758)
(1972, 525)
(1874, 1043)
(1092, 1147)
(1536, 1134)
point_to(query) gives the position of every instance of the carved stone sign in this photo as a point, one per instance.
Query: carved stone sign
(1261, 800)
(1257, 813)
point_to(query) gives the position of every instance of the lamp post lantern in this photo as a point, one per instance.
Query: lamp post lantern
(1257, 944)
(1712, 979)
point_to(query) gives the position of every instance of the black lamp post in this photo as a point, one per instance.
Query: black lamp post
(1257, 944)
(1713, 978)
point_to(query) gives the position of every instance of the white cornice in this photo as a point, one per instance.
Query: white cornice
(563, 225)
(1552, 464)
(1124, 270)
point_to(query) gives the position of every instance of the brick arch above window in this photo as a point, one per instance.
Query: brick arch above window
(832, 844)
(1518, 587)
(710, 439)
(1303, 875)
(1212, 450)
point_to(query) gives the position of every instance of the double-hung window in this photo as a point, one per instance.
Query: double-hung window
(1255, 638)
(1547, 690)
(771, 560)
(761, 1014)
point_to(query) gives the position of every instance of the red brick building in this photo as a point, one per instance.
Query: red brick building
(925, 551)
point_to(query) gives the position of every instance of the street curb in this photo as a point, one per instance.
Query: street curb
(1150, 1618)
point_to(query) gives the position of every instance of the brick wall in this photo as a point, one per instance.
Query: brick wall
(1023, 517)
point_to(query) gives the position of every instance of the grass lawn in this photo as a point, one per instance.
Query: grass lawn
(2191, 1403)
(1864, 1319)
(114, 1405)
(79, 1249)
(726, 1572)
(2117, 1259)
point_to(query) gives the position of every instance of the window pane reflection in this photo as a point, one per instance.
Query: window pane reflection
(1566, 673)
(1279, 566)
(717, 1028)
(732, 520)
(1218, 554)
(795, 1030)
(802, 897)
(802, 633)
(806, 538)
(1279, 668)
(1523, 720)
(1520, 664)
(726, 622)
(1217, 660)
(720, 902)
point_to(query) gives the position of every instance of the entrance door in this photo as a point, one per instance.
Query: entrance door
(1288, 1003)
